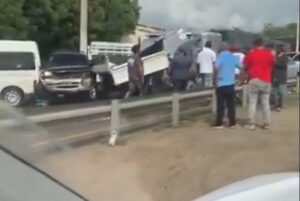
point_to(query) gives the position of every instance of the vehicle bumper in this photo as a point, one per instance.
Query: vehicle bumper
(67, 86)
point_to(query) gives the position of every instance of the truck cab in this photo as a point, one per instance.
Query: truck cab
(67, 73)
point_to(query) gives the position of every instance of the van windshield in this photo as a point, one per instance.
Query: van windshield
(17, 61)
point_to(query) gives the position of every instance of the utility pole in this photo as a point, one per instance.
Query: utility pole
(298, 40)
(83, 26)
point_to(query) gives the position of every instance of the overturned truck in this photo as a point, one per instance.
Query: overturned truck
(109, 60)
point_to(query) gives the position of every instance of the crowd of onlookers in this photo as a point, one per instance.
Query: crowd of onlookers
(263, 68)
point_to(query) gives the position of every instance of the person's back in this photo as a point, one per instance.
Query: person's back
(179, 70)
(206, 59)
(134, 67)
(259, 64)
(180, 67)
(226, 64)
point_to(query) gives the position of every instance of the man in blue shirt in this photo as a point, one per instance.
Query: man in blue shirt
(225, 79)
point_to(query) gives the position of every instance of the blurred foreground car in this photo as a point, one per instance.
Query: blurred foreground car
(22, 178)
(276, 187)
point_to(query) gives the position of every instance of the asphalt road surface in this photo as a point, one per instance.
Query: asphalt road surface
(97, 126)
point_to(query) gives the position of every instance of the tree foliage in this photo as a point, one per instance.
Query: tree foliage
(272, 31)
(12, 24)
(54, 24)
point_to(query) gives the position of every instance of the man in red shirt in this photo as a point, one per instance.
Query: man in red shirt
(258, 65)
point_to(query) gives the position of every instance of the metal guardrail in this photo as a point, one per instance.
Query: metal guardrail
(118, 105)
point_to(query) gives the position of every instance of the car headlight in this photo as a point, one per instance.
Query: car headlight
(45, 74)
(48, 74)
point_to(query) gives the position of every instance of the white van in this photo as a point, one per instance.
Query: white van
(19, 70)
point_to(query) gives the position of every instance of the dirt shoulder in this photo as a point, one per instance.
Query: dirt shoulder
(181, 164)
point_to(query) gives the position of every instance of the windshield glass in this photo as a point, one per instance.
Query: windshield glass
(58, 60)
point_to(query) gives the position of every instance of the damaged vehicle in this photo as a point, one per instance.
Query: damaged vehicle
(67, 73)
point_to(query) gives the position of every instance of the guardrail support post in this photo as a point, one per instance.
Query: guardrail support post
(245, 96)
(114, 122)
(214, 102)
(297, 85)
(175, 110)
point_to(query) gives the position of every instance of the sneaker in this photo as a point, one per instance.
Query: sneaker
(232, 126)
(278, 109)
(266, 127)
(219, 127)
(250, 127)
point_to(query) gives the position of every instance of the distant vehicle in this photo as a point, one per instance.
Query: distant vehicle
(67, 73)
(19, 69)
(276, 187)
(293, 65)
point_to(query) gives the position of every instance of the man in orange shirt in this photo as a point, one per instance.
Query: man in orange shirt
(258, 65)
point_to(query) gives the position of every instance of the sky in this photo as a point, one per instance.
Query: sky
(250, 15)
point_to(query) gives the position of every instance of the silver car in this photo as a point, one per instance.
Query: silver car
(293, 67)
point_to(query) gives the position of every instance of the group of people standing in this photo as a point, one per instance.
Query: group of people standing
(262, 67)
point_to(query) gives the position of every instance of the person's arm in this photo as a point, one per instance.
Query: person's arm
(217, 66)
(141, 67)
(199, 63)
(214, 59)
(246, 67)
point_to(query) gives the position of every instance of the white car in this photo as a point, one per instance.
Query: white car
(275, 187)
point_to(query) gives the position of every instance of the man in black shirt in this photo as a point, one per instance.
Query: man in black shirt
(279, 81)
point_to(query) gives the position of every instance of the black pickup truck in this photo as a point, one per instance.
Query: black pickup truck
(67, 73)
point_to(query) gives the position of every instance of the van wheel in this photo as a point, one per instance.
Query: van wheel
(13, 96)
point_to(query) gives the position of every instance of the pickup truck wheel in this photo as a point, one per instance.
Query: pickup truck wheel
(13, 96)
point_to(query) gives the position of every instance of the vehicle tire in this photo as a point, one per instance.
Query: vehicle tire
(13, 96)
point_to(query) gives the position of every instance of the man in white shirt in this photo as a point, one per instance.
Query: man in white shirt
(206, 61)
(239, 55)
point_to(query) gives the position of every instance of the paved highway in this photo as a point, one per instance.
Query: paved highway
(97, 126)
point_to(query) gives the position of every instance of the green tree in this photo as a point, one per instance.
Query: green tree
(289, 30)
(12, 23)
(110, 19)
(52, 23)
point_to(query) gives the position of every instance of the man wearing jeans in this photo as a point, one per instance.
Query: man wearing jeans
(258, 65)
(279, 88)
(206, 61)
(225, 77)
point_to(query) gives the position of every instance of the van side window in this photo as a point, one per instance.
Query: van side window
(17, 61)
